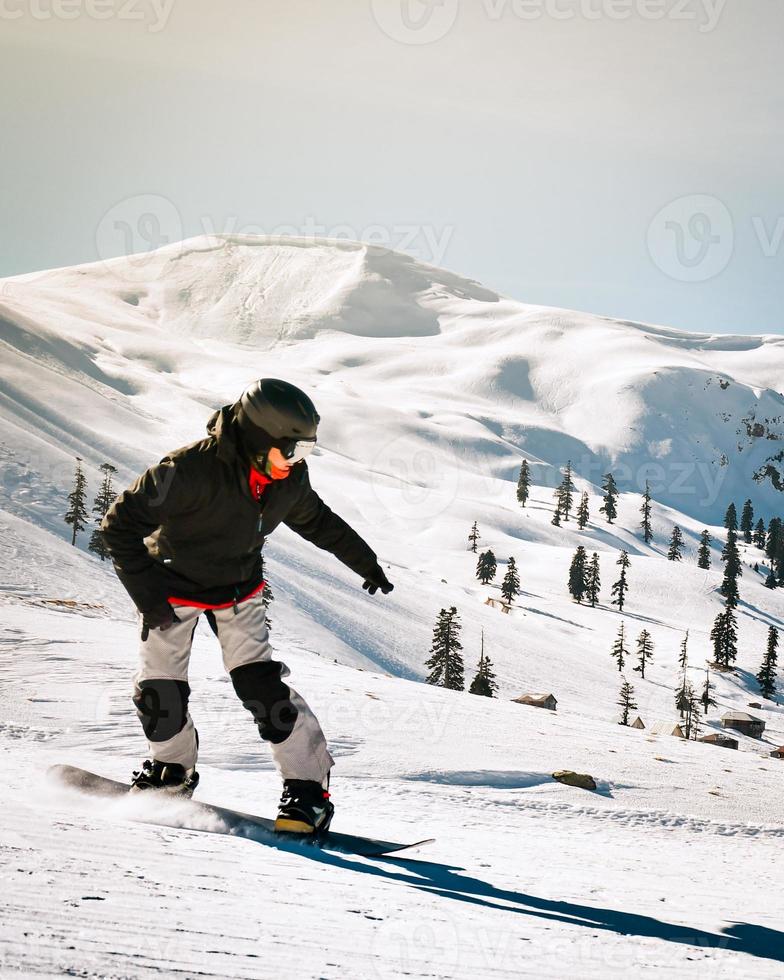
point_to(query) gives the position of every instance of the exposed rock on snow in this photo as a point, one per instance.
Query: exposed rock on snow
(578, 779)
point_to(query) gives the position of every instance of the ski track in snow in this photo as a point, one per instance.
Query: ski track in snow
(623, 817)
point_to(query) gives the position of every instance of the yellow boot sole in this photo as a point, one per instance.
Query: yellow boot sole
(286, 826)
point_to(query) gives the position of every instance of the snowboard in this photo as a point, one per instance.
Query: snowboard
(260, 829)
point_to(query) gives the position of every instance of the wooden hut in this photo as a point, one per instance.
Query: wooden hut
(668, 728)
(720, 739)
(498, 604)
(637, 723)
(744, 723)
(547, 701)
(778, 753)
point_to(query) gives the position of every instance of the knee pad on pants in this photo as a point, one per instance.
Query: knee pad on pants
(162, 707)
(260, 688)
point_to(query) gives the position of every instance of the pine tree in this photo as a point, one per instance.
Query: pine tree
(767, 672)
(556, 521)
(267, 596)
(97, 544)
(774, 549)
(693, 715)
(484, 682)
(578, 574)
(610, 496)
(731, 555)
(704, 551)
(626, 702)
(583, 511)
(724, 636)
(620, 652)
(706, 698)
(683, 659)
(733, 569)
(759, 534)
(773, 539)
(446, 662)
(778, 563)
(644, 652)
(486, 567)
(676, 544)
(621, 587)
(524, 483)
(510, 587)
(645, 510)
(76, 515)
(747, 521)
(565, 492)
(473, 537)
(103, 501)
(593, 580)
(731, 518)
(683, 696)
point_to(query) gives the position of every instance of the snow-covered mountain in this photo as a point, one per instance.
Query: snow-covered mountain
(431, 389)
(120, 358)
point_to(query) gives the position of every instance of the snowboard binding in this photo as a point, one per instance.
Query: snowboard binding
(168, 776)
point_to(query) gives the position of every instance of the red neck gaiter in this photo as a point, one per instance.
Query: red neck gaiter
(257, 481)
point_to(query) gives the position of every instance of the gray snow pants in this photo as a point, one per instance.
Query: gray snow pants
(161, 691)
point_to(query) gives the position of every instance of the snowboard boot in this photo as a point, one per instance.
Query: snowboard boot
(305, 808)
(168, 776)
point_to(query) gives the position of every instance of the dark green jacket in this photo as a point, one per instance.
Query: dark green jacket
(191, 528)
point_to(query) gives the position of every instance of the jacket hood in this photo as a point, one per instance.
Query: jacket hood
(222, 427)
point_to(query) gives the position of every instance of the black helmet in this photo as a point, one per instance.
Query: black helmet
(271, 413)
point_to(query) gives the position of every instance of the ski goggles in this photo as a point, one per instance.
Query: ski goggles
(297, 450)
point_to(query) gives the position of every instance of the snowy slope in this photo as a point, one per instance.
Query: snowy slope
(671, 870)
(430, 388)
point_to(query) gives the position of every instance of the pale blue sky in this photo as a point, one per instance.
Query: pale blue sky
(536, 145)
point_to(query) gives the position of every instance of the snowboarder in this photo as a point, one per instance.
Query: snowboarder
(186, 539)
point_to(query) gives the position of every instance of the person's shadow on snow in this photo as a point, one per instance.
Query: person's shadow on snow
(444, 880)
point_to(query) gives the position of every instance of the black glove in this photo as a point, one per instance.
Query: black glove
(158, 618)
(377, 580)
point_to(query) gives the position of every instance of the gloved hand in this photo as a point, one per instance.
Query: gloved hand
(377, 580)
(160, 617)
